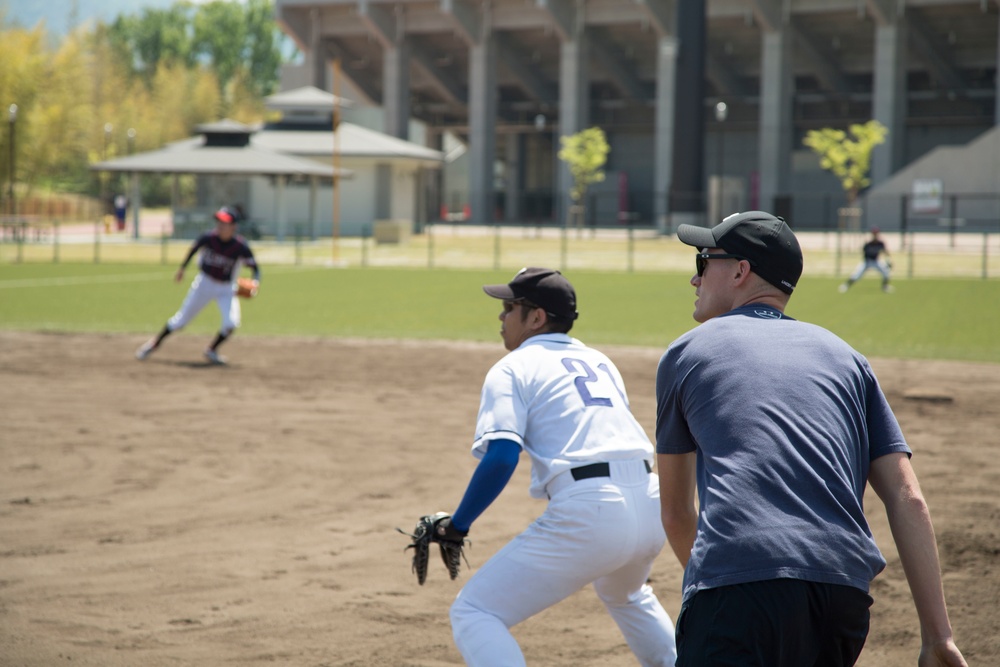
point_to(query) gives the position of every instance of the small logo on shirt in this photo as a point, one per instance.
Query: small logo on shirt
(768, 314)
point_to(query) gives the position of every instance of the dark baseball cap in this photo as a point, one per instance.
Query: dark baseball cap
(543, 287)
(764, 240)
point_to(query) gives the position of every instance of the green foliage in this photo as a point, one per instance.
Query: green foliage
(585, 153)
(394, 303)
(849, 159)
(160, 72)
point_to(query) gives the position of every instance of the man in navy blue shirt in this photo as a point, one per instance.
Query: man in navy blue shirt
(779, 425)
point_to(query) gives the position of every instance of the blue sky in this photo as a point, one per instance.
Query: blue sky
(58, 14)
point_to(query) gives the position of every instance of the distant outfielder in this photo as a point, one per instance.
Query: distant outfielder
(222, 252)
(565, 405)
(872, 252)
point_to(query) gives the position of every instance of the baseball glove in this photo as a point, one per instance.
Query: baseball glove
(246, 288)
(450, 541)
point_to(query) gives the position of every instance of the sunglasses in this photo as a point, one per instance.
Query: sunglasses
(508, 304)
(701, 260)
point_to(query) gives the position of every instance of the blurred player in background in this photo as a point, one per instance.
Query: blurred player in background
(872, 254)
(222, 253)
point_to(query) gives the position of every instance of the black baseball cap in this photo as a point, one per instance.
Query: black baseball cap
(764, 240)
(543, 287)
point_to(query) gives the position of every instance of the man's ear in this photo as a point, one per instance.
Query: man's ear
(539, 319)
(742, 271)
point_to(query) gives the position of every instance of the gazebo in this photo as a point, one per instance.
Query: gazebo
(223, 150)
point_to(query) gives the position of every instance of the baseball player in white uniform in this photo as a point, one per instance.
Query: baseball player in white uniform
(565, 405)
(223, 251)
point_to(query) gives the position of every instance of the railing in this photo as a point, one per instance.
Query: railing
(921, 251)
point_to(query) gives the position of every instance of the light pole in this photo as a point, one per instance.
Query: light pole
(131, 139)
(108, 127)
(539, 129)
(721, 111)
(12, 117)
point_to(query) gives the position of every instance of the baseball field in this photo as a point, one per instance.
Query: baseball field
(169, 512)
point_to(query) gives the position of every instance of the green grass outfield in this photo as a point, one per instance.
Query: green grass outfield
(944, 318)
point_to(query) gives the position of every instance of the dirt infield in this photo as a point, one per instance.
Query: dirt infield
(172, 513)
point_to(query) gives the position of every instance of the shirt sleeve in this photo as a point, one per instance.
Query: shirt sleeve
(503, 413)
(884, 433)
(672, 433)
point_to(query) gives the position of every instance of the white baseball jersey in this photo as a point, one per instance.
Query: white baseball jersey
(564, 403)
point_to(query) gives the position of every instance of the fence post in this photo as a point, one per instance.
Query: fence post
(909, 256)
(430, 247)
(837, 251)
(563, 242)
(952, 201)
(298, 245)
(496, 246)
(21, 231)
(631, 247)
(97, 242)
(986, 254)
(55, 241)
(903, 221)
(365, 233)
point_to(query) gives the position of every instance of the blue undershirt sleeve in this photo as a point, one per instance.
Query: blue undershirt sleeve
(489, 479)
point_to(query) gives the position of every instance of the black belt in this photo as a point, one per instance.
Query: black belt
(597, 470)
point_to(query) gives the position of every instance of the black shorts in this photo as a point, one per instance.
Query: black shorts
(773, 623)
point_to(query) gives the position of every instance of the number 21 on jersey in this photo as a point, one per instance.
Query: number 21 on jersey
(590, 385)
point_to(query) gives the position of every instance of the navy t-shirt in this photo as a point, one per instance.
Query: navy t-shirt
(785, 418)
(219, 258)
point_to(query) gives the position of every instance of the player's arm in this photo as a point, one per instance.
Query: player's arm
(251, 262)
(199, 242)
(677, 508)
(489, 479)
(893, 479)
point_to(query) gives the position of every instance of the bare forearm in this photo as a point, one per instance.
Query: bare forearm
(680, 528)
(910, 522)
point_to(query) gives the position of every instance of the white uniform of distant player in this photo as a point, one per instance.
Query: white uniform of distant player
(565, 404)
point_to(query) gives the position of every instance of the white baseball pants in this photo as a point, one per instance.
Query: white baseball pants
(203, 291)
(877, 265)
(605, 531)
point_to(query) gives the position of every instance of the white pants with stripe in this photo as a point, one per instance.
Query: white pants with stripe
(606, 531)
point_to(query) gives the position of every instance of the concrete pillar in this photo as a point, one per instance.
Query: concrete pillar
(383, 191)
(666, 79)
(889, 97)
(396, 93)
(687, 186)
(514, 189)
(317, 57)
(313, 208)
(573, 110)
(482, 127)
(776, 96)
(135, 197)
(282, 206)
(435, 177)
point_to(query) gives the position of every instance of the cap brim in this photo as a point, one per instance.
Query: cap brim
(499, 291)
(699, 237)
(224, 218)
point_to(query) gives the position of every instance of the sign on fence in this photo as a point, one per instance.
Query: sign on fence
(927, 195)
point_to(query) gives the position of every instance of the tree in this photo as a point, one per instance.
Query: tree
(585, 154)
(849, 159)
